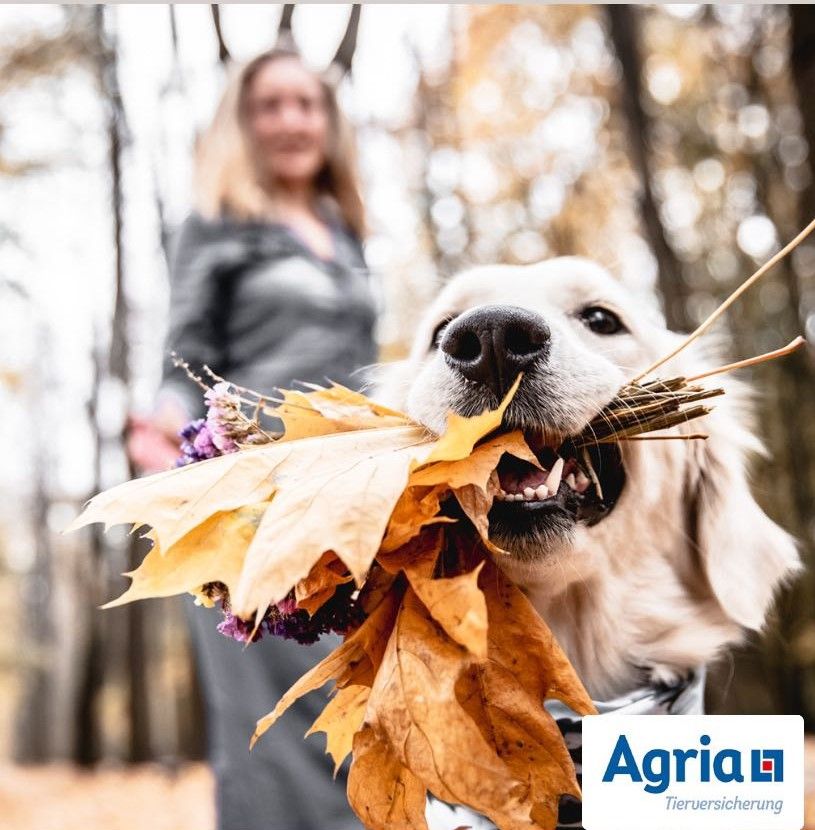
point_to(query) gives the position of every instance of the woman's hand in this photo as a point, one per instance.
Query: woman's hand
(153, 443)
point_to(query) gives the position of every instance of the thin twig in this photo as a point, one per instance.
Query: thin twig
(698, 332)
(692, 437)
(180, 363)
(751, 361)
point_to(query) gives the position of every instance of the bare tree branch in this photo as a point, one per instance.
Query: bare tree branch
(285, 19)
(223, 51)
(344, 56)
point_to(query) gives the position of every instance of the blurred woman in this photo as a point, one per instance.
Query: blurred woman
(268, 286)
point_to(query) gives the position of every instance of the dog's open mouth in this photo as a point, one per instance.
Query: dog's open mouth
(576, 484)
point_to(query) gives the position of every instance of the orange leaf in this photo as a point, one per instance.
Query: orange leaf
(319, 586)
(414, 709)
(355, 662)
(381, 791)
(341, 720)
(457, 605)
(521, 642)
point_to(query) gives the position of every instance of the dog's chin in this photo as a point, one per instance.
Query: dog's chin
(536, 529)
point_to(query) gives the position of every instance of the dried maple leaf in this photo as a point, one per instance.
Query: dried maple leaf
(381, 790)
(335, 409)
(213, 552)
(341, 720)
(313, 591)
(414, 710)
(441, 687)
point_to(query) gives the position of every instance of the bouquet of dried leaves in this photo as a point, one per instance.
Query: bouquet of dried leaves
(355, 519)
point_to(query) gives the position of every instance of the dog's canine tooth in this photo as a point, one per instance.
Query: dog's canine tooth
(553, 479)
(542, 492)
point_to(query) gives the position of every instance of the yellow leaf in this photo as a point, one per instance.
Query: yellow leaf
(477, 467)
(326, 411)
(462, 433)
(340, 500)
(212, 552)
(341, 720)
(176, 501)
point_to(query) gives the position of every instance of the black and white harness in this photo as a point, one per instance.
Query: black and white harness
(684, 698)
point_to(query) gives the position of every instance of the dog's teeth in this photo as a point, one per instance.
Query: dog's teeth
(570, 480)
(542, 492)
(518, 497)
(583, 481)
(529, 493)
(553, 480)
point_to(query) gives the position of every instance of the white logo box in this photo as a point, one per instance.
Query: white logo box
(767, 751)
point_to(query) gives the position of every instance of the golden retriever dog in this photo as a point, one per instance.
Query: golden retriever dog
(653, 578)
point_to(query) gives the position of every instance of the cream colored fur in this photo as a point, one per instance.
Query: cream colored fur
(687, 560)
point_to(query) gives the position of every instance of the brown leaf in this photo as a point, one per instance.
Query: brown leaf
(341, 720)
(355, 662)
(414, 709)
(381, 791)
(522, 644)
(319, 586)
(524, 735)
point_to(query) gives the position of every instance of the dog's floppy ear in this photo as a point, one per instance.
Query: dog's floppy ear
(744, 554)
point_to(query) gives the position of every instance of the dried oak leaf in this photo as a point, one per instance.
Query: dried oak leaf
(455, 603)
(318, 587)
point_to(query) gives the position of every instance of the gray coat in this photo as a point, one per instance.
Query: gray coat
(254, 303)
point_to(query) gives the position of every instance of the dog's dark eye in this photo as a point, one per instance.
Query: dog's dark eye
(438, 332)
(602, 321)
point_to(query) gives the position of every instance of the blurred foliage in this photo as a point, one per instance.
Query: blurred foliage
(518, 145)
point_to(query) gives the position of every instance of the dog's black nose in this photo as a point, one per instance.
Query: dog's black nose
(493, 343)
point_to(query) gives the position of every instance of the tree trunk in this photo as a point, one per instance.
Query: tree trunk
(624, 35)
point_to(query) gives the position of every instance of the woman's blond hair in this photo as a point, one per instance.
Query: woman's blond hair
(227, 174)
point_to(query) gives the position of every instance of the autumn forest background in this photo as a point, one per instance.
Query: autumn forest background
(671, 143)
